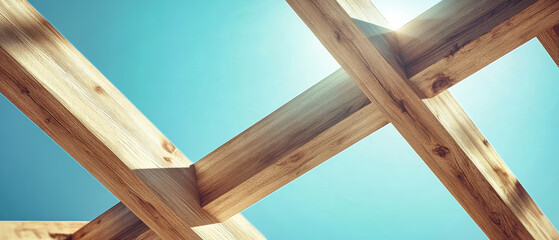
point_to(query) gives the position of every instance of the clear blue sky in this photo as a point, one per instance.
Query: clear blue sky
(203, 71)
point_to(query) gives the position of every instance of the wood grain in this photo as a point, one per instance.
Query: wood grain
(228, 186)
(225, 192)
(57, 88)
(116, 223)
(316, 125)
(120, 223)
(437, 129)
(308, 130)
(550, 41)
(456, 38)
(500, 19)
(37, 230)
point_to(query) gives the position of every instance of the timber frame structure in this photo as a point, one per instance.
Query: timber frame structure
(397, 77)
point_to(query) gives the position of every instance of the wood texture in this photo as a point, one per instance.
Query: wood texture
(120, 223)
(116, 223)
(456, 38)
(36, 230)
(437, 129)
(313, 127)
(57, 88)
(316, 125)
(451, 30)
(492, 27)
(550, 41)
(437, 55)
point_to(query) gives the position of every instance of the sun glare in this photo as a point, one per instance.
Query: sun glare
(400, 12)
(396, 20)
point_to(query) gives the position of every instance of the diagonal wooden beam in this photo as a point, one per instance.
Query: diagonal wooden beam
(308, 130)
(478, 32)
(120, 223)
(550, 41)
(437, 129)
(116, 223)
(57, 88)
(456, 38)
(500, 27)
(38, 230)
(472, 33)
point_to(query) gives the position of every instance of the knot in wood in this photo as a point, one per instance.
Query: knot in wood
(440, 84)
(441, 151)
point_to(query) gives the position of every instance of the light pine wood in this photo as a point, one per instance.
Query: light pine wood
(550, 41)
(437, 129)
(228, 186)
(316, 125)
(456, 38)
(116, 223)
(149, 235)
(225, 193)
(57, 88)
(239, 228)
(437, 54)
(120, 223)
(313, 127)
(37, 230)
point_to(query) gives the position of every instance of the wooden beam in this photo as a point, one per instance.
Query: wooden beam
(308, 130)
(120, 223)
(316, 125)
(501, 27)
(437, 129)
(38, 230)
(456, 38)
(284, 134)
(116, 223)
(550, 41)
(150, 235)
(57, 88)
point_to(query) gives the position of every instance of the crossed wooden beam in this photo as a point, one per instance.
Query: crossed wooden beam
(397, 77)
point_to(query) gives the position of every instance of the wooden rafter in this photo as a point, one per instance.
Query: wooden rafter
(509, 26)
(116, 223)
(316, 125)
(437, 129)
(120, 223)
(456, 38)
(433, 52)
(57, 88)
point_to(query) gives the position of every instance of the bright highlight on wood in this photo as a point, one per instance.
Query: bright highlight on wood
(437, 129)
(23, 230)
(397, 77)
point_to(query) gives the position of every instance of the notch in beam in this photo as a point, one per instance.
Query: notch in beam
(437, 129)
(503, 26)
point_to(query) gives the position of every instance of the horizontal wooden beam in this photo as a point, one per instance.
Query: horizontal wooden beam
(37, 230)
(437, 129)
(57, 88)
(456, 38)
(550, 41)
